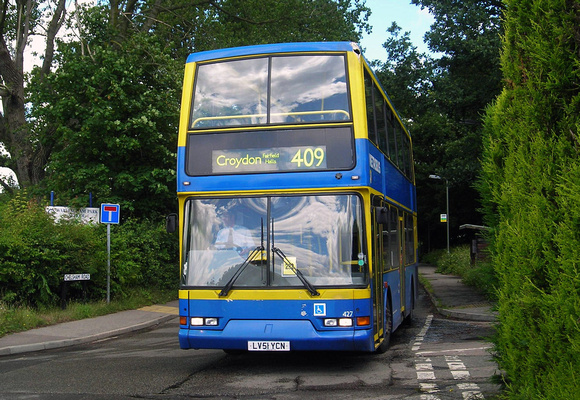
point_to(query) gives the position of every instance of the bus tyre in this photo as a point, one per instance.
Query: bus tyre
(388, 328)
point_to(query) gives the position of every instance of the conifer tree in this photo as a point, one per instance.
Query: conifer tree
(531, 186)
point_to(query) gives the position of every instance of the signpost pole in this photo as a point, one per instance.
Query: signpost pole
(108, 263)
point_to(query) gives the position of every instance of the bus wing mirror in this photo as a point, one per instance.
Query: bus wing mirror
(171, 223)
(382, 215)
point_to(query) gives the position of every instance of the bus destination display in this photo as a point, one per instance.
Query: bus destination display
(272, 159)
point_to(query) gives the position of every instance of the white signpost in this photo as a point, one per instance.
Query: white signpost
(110, 214)
(77, 277)
(87, 215)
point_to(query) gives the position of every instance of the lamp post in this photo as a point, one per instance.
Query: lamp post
(447, 197)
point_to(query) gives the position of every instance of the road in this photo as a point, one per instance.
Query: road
(432, 358)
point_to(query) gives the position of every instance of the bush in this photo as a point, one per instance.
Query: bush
(143, 255)
(35, 253)
(531, 194)
(458, 262)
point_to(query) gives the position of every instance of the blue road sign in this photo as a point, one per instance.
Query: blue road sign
(110, 213)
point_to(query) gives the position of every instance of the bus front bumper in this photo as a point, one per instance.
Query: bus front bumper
(301, 336)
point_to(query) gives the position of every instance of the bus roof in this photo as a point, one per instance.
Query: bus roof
(272, 48)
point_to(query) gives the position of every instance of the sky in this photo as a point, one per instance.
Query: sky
(408, 16)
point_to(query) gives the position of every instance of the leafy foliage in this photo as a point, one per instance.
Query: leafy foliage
(115, 118)
(108, 115)
(530, 181)
(35, 253)
(243, 22)
(143, 254)
(443, 99)
(479, 275)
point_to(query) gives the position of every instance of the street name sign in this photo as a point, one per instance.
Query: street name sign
(77, 277)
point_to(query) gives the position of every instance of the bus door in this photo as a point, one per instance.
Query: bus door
(402, 279)
(378, 268)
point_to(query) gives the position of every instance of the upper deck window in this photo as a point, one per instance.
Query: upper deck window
(270, 90)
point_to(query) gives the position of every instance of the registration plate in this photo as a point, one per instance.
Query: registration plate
(268, 345)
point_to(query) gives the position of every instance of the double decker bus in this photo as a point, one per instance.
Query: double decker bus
(297, 202)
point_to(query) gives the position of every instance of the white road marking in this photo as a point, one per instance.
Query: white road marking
(425, 371)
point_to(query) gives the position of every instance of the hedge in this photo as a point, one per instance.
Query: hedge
(36, 252)
(531, 187)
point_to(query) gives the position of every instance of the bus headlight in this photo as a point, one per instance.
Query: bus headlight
(200, 321)
(342, 322)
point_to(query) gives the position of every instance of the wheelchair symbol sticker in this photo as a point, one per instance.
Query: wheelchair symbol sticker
(319, 309)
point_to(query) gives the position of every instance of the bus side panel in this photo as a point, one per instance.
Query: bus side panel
(411, 282)
(241, 321)
(384, 177)
(392, 279)
(398, 187)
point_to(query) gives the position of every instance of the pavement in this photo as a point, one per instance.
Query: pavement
(88, 330)
(454, 299)
(448, 294)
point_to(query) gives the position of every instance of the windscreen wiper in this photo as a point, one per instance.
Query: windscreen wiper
(298, 273)
(251, 255)
(226, 289)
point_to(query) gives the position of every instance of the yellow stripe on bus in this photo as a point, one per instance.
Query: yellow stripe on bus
(275, 294)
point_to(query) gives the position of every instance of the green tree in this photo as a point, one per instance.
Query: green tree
(407, 74)
(531, 186)
(36, 252)
(112, 116)
(443, 99)
(179, 27)
(243, 22)
(108, 115)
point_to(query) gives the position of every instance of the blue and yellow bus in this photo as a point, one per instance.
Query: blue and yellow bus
(297, 207)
